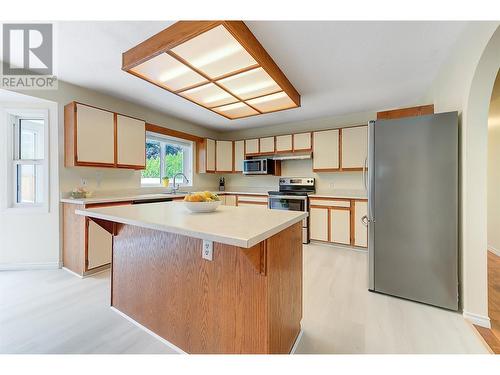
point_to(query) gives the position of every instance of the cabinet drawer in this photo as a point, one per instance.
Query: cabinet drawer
(252, 198)
(330, 202)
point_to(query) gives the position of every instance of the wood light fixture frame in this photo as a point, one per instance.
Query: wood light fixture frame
(183, 31)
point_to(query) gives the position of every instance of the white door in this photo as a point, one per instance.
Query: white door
(284, 143)
(267, 145)
(326, 150)
(319, 224)
(360, 230)
(95, 135)
(224, 152)
(99, 245)
(354, 147)
(252, 146)
(210, 155)
(302, 141)
(130, 141)
(239, 155)
(340, 226)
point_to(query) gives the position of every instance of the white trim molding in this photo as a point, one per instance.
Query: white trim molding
(493, 250)
(479, 320)
(148, 331)
(29, 266)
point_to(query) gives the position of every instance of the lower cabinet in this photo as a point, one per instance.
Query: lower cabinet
(252, 200)
(360, 229)
(338, 221)
(99, 245)
(340, 226)
(318, 222)
(229, 200)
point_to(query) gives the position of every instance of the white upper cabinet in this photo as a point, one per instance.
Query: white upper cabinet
(252, 146)
(130, 142)
(284, 143)
(210, 157)
(326, 150)
(266, 145)
(95, 135)
(239, 155)
(302, 141)
(354, 147)
(224, 156)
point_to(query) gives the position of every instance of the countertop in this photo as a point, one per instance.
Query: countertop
(123, 197)
(238, 226)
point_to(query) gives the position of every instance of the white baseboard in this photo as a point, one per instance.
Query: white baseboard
(493, 250)
(479, 320)
(168, 343)
(297, 341)
(29, 266)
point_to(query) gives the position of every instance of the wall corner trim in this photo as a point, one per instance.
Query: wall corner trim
(479, 320)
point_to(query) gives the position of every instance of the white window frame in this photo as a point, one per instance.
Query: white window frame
(12, 162)
(188, 159)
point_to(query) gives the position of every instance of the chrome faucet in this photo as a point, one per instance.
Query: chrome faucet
(174, 188)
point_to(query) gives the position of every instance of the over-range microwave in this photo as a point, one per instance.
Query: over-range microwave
(258, 166)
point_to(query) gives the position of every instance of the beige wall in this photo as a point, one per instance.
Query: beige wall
(494, 169)
(112, 179)
(301, 168)
(464, 84)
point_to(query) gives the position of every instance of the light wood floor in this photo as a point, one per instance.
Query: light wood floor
(55, 312)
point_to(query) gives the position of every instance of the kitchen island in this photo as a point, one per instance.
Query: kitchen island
(246, 299)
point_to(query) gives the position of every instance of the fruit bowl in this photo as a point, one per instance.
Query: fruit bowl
(202, 202)
(202, 206)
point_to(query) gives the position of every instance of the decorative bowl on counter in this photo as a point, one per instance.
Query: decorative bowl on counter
(202, 202)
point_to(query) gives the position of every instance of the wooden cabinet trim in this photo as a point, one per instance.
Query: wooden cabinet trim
(406, 112)
(302, 149)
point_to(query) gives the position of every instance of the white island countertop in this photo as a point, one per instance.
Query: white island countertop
(239, 226)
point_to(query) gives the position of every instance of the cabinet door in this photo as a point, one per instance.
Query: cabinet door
(326, 150)
(99, 245)
(230, 200)
(354, 147)
(251, 146)
(284, 143)
(340, 226)
(224, 152)
(210, 155)
(266, 145)
(302, 142)
(360, 230)
(130, 142)
(95, 136)
(318, 221)
(239, 155)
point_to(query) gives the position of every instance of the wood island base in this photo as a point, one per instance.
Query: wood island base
(246, 301)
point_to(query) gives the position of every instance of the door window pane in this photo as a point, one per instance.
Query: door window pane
(29, 183)
(31, 142)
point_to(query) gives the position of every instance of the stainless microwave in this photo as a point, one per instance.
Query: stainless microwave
(258, 166)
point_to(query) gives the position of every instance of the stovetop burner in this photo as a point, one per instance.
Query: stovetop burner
(299, 186)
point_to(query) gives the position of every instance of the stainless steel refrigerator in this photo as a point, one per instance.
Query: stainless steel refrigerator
(413, 208)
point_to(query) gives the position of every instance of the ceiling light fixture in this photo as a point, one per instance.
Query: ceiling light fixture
(219, 65)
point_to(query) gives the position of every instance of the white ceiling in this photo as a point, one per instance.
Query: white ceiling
(337, 67)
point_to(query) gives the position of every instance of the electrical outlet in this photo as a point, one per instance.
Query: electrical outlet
(83, 181)
(332, 185)
(208, 250)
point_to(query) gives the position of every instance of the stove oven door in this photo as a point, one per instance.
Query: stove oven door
(292, 203)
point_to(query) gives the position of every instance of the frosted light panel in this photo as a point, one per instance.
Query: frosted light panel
(215, 53)
(209, 95)
(255, 82)
(166, 71)
(236, 110)
(273, 102)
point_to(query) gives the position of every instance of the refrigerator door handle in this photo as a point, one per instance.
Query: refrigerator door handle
(365, 220)
(365, 170)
